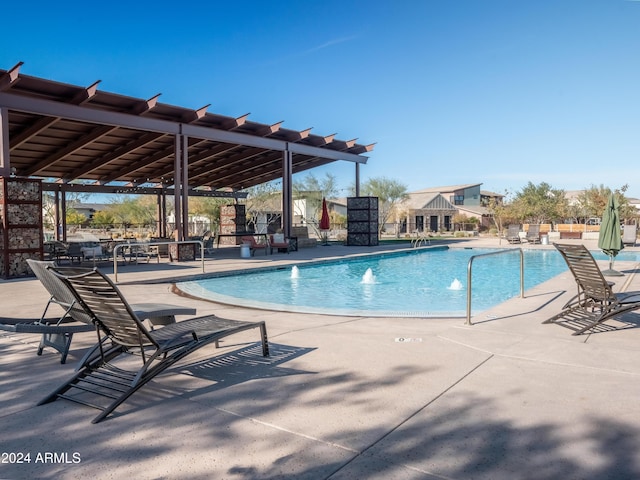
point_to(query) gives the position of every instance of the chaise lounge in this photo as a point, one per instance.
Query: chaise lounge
(533, 234)
(595, 301)
(513, 234)
(120, 332)
(58, 332)
(630, 235)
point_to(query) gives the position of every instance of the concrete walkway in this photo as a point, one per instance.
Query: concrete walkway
(340, 397)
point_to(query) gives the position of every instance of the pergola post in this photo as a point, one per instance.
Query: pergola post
(287, 192)
(177, 188)
(57, 224)
(357, 181)
(185, 187)
(63, 215)
(5, 166)
(160, 215)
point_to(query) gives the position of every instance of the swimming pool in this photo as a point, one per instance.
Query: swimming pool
(416, 283)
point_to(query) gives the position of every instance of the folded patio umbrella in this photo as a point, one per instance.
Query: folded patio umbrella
(325, 222)
(610, 238)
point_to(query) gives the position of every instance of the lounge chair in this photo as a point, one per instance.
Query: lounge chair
(156, 350)
(280, 243)
(253, 245)
(58, 332)
(54, 250)
(207, 242)
(513, 234)
(74, 252)
(630, 235)
(595, 301)
(533, 234)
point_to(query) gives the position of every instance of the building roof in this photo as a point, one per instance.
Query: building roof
(427, 201)
(449, 188)
(66, 133)
(476, 210)
(488, 193)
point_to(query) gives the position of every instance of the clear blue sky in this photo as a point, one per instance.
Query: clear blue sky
(498, 92)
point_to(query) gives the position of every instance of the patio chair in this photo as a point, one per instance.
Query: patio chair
(207, 242)
(253, 245)
(513, 234)
(533, 234)
(280, 243)
(630, 235)
(58, 332)
(121, 331)
(74, 252)
(595, 301)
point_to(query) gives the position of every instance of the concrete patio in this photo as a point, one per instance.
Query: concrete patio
(340, 397)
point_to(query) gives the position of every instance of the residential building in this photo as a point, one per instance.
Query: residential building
(432, 209)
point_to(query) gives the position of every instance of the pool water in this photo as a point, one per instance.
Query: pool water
(424, 283)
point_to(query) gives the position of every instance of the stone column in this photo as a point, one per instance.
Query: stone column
(21, 235)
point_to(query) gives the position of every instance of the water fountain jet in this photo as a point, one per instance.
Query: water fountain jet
(295, 272)
(368, 277)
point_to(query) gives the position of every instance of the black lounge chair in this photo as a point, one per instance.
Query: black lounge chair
(595, 301)
(58, 332)
(120, 331)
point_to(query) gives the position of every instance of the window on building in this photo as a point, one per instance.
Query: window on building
(457, 199)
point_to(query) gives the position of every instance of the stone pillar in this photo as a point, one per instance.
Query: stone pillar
(21, 234)
(362, 221)
(233, 219)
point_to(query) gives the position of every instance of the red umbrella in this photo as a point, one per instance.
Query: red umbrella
(325, 221)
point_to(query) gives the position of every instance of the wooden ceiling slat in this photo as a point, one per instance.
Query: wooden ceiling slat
(81, 142)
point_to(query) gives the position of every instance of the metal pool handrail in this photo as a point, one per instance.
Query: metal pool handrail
(470, 265)
(420, 241)
(120, 246)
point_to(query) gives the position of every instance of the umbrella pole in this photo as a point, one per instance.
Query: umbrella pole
(611, 272)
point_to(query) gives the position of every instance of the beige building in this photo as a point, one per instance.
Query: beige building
(432, 209)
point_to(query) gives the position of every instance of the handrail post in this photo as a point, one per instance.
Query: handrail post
(521, 273)
(468, 322)
(469, 277)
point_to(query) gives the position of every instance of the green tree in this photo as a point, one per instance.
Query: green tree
(311, 186)
(502, 213)
(48, 210)
(390, 195)
(313, 190)
(262, 200)
(540, 204)
(103, 219)
(74, 217)
(208, 207)
(131, 210)
(592, 202)
(463, 222)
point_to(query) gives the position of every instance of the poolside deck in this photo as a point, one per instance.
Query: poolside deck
(342, 397)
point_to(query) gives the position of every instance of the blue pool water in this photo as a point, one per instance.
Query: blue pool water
(424, 283)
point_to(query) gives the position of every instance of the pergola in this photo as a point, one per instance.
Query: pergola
(83, 139)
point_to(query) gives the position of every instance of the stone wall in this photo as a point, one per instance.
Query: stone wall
(20, 225)
(362, 221)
